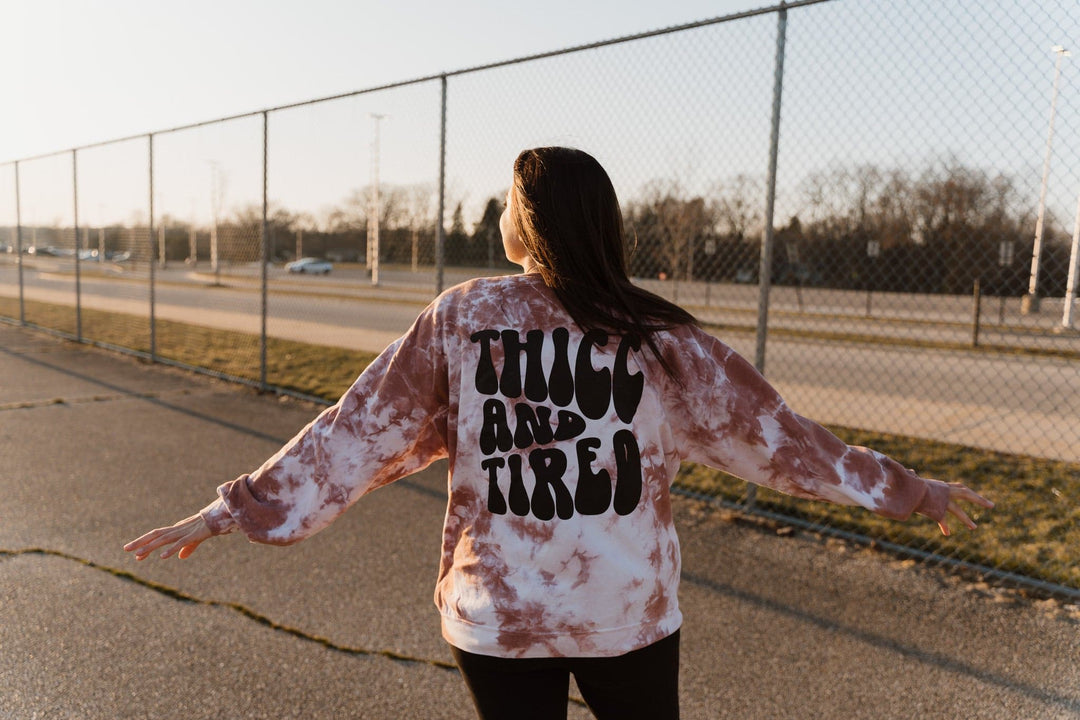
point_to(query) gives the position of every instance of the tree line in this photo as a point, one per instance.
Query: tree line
(934, 230)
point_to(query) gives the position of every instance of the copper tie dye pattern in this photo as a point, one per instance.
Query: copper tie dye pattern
(558, 538)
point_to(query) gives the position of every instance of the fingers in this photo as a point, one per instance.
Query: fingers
(177, 546)
(145, 539)
(185, 552)
(182, 538)
(967, 494)
(151, 541)
(960, 492)
(187, 543)
(962, 516)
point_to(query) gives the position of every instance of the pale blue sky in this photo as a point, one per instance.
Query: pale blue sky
(77, 72)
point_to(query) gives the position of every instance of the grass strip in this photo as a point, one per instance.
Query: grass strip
(318, 370)
(1033, 530)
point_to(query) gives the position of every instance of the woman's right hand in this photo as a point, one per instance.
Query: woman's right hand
(182, 539)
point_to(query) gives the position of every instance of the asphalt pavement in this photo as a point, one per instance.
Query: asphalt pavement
(96, 448)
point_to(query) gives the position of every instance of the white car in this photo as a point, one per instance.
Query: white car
(311, 266)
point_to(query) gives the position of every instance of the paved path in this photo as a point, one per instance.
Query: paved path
(95, 449)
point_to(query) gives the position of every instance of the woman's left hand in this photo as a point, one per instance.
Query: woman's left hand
(958, 492)
(181, 538)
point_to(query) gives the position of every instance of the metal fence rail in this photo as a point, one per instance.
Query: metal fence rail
(877, 202)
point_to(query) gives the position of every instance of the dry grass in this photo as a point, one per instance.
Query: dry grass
(317, 370)
(1033, 530)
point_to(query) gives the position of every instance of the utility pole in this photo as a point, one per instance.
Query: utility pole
(1031, 301)
(1074, 269)
(161, 245)
(373, 214)
(217, 190)
(101, 234)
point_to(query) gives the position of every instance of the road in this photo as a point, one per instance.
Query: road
(1014, 403)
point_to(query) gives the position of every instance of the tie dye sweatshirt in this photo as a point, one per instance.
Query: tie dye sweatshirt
(562, 446)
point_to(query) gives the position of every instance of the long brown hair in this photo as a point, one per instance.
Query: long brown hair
(568, 218)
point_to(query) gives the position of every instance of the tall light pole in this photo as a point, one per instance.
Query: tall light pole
(1074, 269)
(373, 215)
(215, 208)
(193, 254)
(101, 234)
(1030, 302)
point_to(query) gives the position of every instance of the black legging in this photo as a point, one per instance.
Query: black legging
(641, 684)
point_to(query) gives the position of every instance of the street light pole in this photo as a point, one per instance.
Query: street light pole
(215, 207)
(1030, 303)
(101, 234)
(873, 251)
(1074, 262)
(373, 219)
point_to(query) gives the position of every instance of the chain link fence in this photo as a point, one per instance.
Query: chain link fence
(875, 202)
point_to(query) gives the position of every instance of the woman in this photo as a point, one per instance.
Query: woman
(565, 399)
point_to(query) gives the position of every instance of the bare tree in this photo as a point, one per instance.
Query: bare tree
(419, 210)
(736, 206)
(678, 221)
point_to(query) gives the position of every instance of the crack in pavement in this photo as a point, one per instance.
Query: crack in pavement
(243, 610)
(1044, 695)
(247, 612)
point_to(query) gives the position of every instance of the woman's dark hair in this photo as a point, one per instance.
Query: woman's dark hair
(568, 218)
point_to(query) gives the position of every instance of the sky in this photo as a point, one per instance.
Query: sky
(79, 72)
(906, 84)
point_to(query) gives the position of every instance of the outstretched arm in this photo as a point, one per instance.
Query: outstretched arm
(390, 423)
(729, 417)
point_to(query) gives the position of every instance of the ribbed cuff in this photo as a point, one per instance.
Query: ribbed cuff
(217, 518)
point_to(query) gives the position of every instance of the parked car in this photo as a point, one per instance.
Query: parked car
(746, 275)
(44, 251)
(310, 266)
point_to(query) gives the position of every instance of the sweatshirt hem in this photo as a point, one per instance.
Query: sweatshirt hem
(605, 642)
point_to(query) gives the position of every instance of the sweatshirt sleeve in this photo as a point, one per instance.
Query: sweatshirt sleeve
(390, 423)
(728, 416)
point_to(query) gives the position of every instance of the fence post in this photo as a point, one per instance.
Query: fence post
(151, 245)
(976, 312)
(78, 268)
(19, 247)
(264, 257)
(440, 230)
(765, 268)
